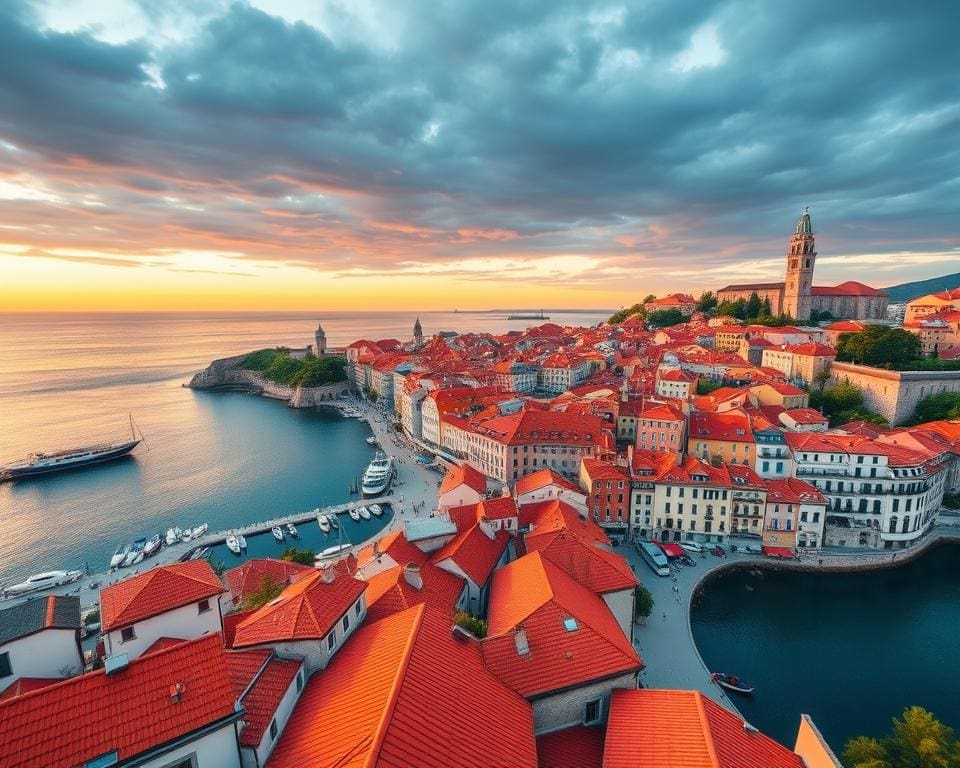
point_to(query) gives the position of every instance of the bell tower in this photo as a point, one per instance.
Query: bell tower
(418, 334)
(801, 258)
(321, 338)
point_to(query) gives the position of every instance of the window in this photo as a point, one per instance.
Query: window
(203, 606)
(273, 729)
(300, 680)
(182, 762)
(570, 624)
(591, 712)
(357, 608)
(346, 624)
(127, 634)
(5, 668)
(331, 640)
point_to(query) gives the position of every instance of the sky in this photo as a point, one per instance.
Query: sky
(356, 154)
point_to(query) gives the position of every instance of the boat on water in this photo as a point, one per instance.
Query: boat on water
(119, 555)
(732, 683)
(533, 316)
(324, 522)
(201, 553)
(173, 536)
(135, 555)
(332, 519)
(332, 552)
(377, 475)
(232, 544)
(376, 509)
(371, 440)
(354, 514)
(195, 533)
(292, 531)
(277, 532)
(152, 546)
(242, 541)
(42, 581)
(44, 462)
(364, 513)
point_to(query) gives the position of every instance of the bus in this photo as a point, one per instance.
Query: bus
(654, 557)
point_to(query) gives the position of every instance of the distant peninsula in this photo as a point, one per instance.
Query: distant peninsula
(301, 378)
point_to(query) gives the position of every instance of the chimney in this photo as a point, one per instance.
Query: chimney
(520, 640)
(176, 692)
(487, 528)
(411, 573)
(327, 575)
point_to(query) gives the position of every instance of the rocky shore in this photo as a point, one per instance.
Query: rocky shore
(227, 375)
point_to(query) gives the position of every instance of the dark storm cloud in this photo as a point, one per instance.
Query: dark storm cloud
(569, 126)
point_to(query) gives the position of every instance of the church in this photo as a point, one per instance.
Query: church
(798, 297)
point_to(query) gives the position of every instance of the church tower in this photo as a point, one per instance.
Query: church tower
(418, 334)
(321, 339)
(800, 262)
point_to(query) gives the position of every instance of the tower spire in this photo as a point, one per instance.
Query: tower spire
(801, 257)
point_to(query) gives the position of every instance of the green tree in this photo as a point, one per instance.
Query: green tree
(946, 405)
(706, 302)
(766, 310)
(662, 318)
(92, 618)
(732, 308)
(618, 317)
(302, 556)
(475, 626)
(705, 386)
(879, 345)
(843, 403)
(917, 740)
(268, 590)
(642, 602)
(752, 307)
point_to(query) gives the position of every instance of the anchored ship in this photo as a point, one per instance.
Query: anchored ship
(377, 476)
(57, 461)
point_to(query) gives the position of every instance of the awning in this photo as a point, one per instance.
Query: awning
(672, 550)
(779, 552)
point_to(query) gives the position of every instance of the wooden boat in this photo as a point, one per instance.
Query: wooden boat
(732, 683)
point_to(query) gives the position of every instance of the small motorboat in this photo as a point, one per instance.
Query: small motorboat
(197, 532)
(364, 513)
(376, 509)
(292, 531)
(135, 554)
(371, 440)
(332, 519)
(277, 533)
(152, 546)
(232, 544)
(118, 556)
(324, 522)
(732, 683)
(242, 541)
(354, 514)
(173, 536)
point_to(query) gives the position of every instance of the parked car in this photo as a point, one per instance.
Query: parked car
(691, 546)
(753, 549)
(719, 551)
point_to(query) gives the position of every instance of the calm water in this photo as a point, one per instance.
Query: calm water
(224, 459)
(851, 650)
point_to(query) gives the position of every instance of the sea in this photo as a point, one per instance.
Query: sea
(227, 459)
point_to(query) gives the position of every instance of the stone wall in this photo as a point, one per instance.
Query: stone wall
(894, 394)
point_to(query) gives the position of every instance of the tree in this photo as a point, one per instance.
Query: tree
(268, 590)
(843, 403)
(661, 318)
(728, 308)
(822, 378)
(475, 626)
(618, 317)
(706, 302)
(946, 405)
(705, 386)
(642, 602)
(766, 310)
(302, 556)
(917, 740)
(752, 307)
(879, 345)
(92, 618)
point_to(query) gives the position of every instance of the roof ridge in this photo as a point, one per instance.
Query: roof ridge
(373, 755)
(706, 728)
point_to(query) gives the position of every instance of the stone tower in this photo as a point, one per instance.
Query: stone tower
(418, 334)
(801, 258)
(321, 339)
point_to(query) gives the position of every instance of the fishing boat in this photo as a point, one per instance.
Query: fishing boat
(364, 513)
(232, 544)
(43, 463)
(292, 531)
(152, 546)
(377, 475)
(277, 533)
(173, 536)
(43, 581)
(324, 522)
(354, 514)
(135, 555)
(119, 555)
(376, 509)
(732, 683)
(242, 541)
(371, 440)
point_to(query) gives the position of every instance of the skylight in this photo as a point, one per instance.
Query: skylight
(570, 624)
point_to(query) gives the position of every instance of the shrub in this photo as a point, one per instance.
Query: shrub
(475, 626)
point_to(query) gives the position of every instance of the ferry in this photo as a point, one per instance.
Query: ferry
(378, 475)
(42, 581)
(42, 463)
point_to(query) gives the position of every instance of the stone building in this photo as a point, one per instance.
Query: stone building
(894, 394)
(798, 297)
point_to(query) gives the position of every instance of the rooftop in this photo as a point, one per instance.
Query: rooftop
(37, 614)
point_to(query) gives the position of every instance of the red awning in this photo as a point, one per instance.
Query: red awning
(779, 552)
(672, 550)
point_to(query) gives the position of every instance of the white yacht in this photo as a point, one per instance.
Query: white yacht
(232, 544)
(119, 556)
(242, 541)
(378, 475)
(277, 532)
(364, 513)
(43, 581)
(354, 514)
(376, 509)
(324, 523)
(173, 536)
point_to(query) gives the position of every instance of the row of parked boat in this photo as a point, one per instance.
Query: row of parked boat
(132, 554)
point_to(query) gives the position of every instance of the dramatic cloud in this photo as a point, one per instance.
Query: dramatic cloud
(664, 144)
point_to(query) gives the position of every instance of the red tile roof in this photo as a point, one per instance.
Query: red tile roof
(806, 416)
(849, 288)
(533, 427)
(130, 711)
(394, 545)
(603, 470)
(247, 578)
(404, 692)
(24, 685)
(464, 475)
(474, 552)
(665, 729)
(157, 591)
(163, 643)
(230, 623)
(553, 515)
(391, 592)
(733, 426)
(536, 595)
(262, 700)
(596, 568)
(792, 490)
(307, 609)
(541, 479)
(244, 666)
(579, 746)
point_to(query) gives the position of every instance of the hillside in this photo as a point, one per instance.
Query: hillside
(907, 291)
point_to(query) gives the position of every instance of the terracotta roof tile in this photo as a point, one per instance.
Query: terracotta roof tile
(24, 685)
(544, 517)
(542, 478)
(597, 569)
(464, 475)
(247, 578)
(157, 591)
(390, 592)
(474, 552)
(262, 700)
(244, 666)
(577, 747)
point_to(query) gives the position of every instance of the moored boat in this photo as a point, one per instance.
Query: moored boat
(135, 555)
(332, 519)
(376, 509)
(324, 522)
(197, 532)
(292, 531)
(371, 440)
(354, 514)
(119, 555)
(232, 544)
(277, 533)
(377, 475)
(42, 581)
(152, 546)
(732, 683)
(331, 552)
(242, 541)
(364, 513)
(173, 536)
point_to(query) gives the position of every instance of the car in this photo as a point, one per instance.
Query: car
(719, 551)
(753, 549)
(691, 546)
